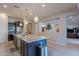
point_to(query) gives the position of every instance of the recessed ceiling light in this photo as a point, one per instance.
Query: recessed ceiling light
(5, 6)
(43, 5)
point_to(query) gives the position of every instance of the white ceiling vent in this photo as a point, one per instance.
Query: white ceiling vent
(26, 10)
(16, 6)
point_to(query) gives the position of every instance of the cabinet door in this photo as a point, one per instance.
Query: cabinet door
(21, 49)
(25, 49)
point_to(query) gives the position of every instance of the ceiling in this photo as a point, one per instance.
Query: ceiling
(22, 10)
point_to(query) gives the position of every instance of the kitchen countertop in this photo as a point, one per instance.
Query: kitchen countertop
(30, 38)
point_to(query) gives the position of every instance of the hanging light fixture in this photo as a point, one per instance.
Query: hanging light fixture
(20, 24)
(36, 19)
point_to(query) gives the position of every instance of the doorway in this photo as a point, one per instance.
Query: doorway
(29, 28)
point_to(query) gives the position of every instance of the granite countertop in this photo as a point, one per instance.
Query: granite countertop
(30, 38)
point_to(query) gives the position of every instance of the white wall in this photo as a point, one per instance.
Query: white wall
(61, 36)
(3, 28)
(25, 26)
(33, 28)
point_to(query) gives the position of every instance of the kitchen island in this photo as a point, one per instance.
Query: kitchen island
(31, 45)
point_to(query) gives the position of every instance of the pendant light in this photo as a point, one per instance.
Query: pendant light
(20, 24)
(36, 19)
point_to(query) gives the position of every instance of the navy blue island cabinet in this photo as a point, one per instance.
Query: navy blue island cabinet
(33, 48)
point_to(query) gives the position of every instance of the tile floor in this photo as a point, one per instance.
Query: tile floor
(63, 50)
(8, 49)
